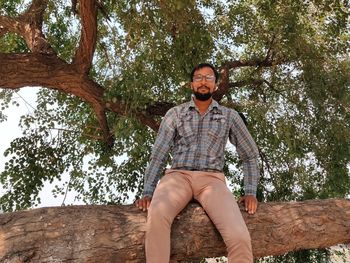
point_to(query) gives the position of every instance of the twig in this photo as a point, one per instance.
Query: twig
(65, 195)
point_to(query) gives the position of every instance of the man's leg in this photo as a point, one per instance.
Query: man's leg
(222, 208)
(171, 195)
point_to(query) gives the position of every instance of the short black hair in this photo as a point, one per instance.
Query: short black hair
(205, 65)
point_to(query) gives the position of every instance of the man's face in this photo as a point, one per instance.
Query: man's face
(203, 81)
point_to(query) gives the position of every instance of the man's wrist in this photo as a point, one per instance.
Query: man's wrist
(250, 192)
(147, 195)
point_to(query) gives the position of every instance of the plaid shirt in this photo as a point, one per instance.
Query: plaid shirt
(197, 142)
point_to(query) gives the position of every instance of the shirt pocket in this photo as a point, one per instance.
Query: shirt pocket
(216, 135)
(186, 131)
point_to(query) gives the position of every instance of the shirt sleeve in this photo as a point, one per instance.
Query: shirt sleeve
(160, 151)
(248, 152)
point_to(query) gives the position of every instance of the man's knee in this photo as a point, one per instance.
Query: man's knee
(159, 214)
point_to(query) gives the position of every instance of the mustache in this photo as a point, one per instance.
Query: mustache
(201, 87)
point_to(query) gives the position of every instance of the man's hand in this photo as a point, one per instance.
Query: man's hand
(250, 203)
(143, 203)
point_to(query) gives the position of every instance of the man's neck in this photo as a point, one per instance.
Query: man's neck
(202, 105)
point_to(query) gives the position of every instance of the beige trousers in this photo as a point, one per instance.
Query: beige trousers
(174, 191)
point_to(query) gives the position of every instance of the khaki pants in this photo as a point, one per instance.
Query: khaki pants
(174, 191)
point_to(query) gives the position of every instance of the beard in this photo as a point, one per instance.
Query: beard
(202, 96)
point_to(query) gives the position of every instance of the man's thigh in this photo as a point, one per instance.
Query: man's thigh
(221, 206)
(172, 194)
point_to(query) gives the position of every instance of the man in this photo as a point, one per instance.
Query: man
(196, 132)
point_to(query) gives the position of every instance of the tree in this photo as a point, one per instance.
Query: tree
(116, 233)
(109, 71)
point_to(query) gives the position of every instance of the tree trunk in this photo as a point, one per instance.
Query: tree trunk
(116, 233)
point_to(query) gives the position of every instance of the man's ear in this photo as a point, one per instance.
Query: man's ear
(216, 88)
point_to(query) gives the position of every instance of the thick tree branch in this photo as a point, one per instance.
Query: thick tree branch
(74, 6)
(8, 24)
(20, 70)
(223, 86)
(257, 62)
(88, 36)
(150, 122)
(35, 12)
(225, 69)
(159, 108)
(116, 233)
(123, 110)
(100, 111)
(253, 82)
(29, 26)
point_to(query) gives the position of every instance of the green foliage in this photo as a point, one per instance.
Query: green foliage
(315, 255)
(5, 102)
(299, 116)
(12, 43)
(11, 8)
(61, 29)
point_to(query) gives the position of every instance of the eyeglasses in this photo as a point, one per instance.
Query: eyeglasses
(208, 78)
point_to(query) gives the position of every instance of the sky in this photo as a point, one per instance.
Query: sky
(10, 130)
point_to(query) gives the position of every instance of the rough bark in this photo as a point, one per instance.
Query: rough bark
(29, 26)
(85, 52)
(116, 233)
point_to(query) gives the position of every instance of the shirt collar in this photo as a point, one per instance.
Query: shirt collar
(213, 105)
